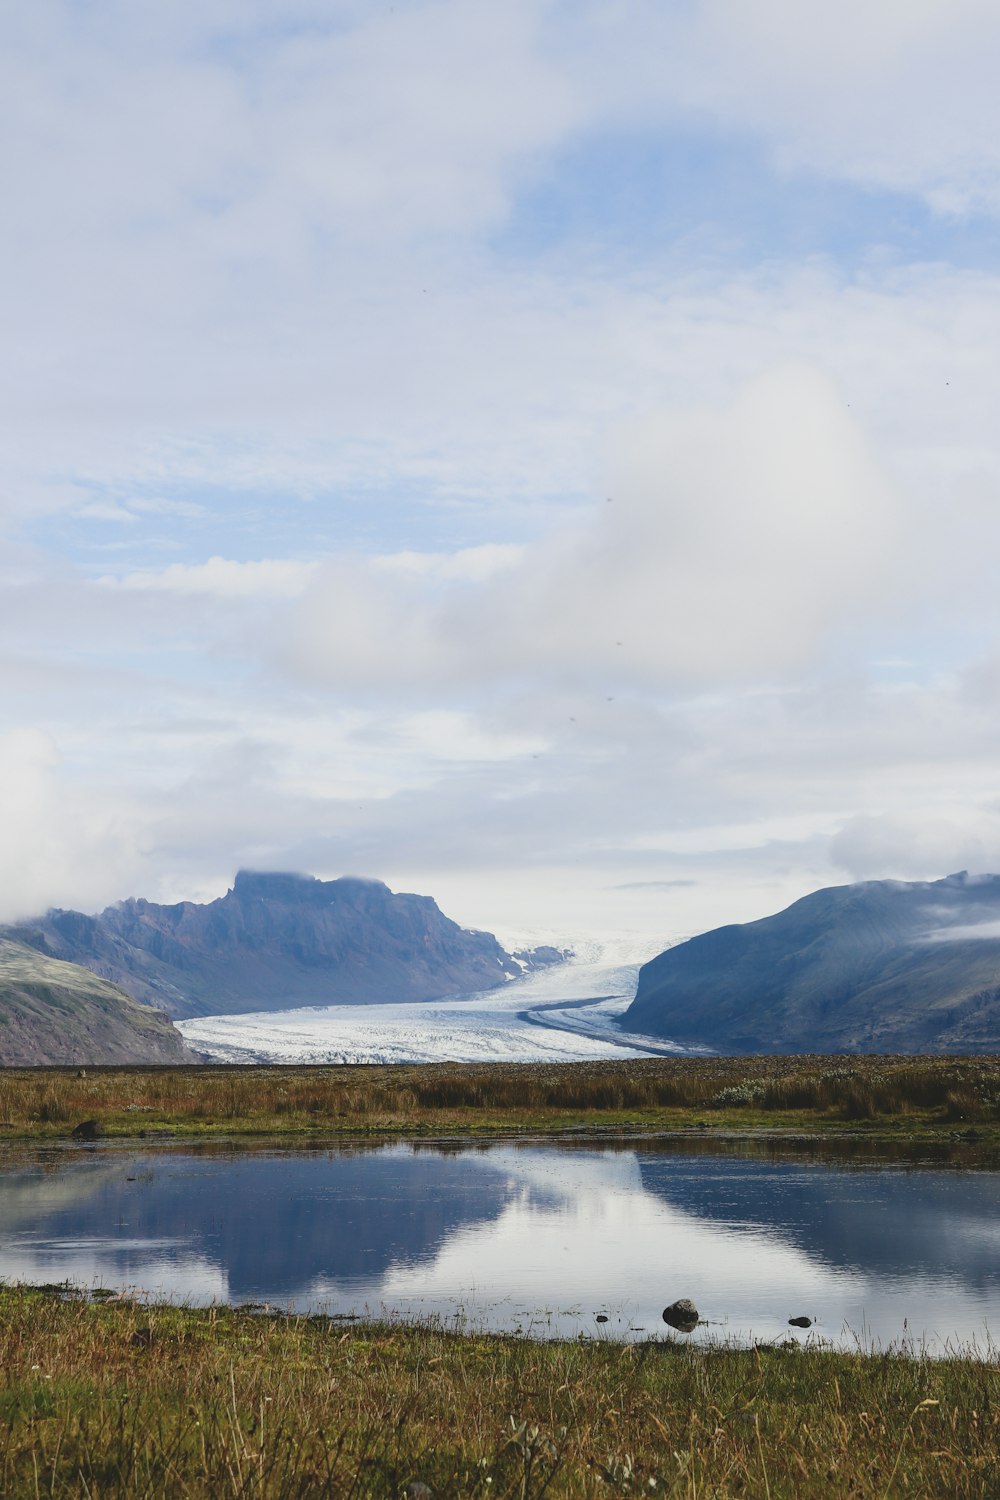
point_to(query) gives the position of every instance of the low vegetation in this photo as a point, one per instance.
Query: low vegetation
(115, 1399)
(872, 1093)
(52, 1012)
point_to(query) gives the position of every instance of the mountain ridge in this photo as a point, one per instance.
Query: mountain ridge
(275, 941)
(877, 966)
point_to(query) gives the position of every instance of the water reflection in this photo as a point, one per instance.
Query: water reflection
(530, 1237)
(882, 1221)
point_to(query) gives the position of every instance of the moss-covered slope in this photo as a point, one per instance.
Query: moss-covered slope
(55, 1012)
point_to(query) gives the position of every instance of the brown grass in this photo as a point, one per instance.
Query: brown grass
(654, 1093)
(118, 1400)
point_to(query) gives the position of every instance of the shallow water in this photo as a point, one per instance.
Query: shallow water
(540, 1238)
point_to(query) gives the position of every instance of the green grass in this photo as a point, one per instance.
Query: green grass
(113, 1399)
(874, 1095)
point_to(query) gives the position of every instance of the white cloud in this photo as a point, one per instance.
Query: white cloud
(922, 841)
(467, 565)
(56, 843)
(898, 95)
(286, 282)
(256, 250)
(344, 119)
(104, 510)
(985, 932)
(161, 506)
(731, 543)
(449, 736)
(278, 578)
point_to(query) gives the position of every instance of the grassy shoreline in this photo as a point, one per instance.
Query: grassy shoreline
(108, 1397)
(116, 1399)
(885, 1097)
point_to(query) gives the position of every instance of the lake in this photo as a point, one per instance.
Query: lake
(541, 1238)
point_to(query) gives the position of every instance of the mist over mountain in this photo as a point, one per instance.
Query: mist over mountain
(881, 966)
(53, 1012)
(277, 941)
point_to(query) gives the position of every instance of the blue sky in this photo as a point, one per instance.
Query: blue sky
(542, 455)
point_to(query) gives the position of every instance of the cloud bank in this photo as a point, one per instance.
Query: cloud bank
(731, 545)
(542, 454)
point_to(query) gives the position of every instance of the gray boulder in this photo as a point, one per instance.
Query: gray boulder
(682, 1315)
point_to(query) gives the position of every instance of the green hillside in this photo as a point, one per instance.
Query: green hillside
(55, 1012)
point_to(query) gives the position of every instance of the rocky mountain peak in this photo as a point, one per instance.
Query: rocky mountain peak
(276, 940)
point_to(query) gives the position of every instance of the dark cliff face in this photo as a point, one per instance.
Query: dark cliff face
(882, 966)
(275, 941)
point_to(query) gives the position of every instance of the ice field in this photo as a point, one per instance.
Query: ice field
(564, 1014)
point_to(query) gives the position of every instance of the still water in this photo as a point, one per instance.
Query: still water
(539, 1238)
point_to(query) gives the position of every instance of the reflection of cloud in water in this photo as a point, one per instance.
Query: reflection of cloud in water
(620, 1249)
(58, 1185)
(631, 1251)
(516, 1234)
(136, 1269)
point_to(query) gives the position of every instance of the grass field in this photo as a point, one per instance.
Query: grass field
(873, 1094)
(109, 1399)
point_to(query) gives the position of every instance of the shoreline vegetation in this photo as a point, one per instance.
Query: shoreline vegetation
(900, 1097)
(110, 1396)
(116, 1398)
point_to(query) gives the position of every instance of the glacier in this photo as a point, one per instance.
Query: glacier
(567, 1013)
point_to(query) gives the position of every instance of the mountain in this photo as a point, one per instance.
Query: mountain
(57, 1013)
(274, 942)
(882, 966)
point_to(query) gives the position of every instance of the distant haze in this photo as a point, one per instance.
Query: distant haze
(542, 456)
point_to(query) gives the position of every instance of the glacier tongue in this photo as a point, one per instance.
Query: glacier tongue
(563, 1014)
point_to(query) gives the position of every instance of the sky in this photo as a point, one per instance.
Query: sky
(541, 455)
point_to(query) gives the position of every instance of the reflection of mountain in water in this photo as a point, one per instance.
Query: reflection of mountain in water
(276, 1224)
(882, 1221)
(281, 1225)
